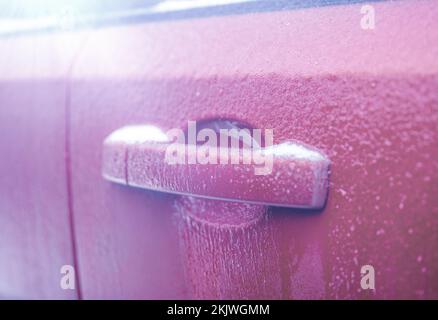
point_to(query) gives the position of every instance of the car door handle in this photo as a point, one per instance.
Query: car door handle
(136, 156)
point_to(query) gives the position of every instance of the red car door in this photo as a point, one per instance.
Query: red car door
(35, 229)
(362, 95)
(366, 98)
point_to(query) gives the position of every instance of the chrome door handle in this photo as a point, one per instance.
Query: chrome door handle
(136, 156)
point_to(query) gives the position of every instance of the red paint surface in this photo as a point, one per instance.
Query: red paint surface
(35, 230)
(232, 258)
(368, 99)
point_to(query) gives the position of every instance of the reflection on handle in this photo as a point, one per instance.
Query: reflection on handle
(297, 175)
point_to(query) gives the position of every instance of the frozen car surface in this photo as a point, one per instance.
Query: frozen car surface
(366, 98)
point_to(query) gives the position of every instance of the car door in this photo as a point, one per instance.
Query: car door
(353, 82)
(35, 228)
(366, 98)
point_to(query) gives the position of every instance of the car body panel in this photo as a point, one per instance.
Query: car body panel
(367, 98)
(35, 229)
